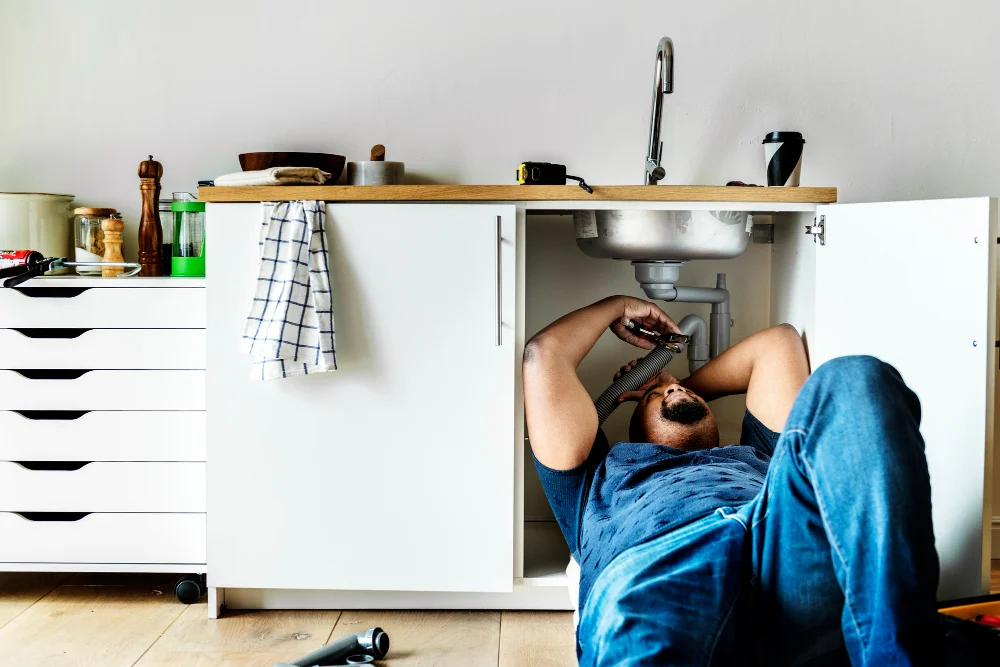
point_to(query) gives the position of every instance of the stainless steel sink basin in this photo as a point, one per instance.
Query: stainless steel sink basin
(662, 235)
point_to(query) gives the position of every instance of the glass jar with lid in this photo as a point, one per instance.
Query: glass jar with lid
(88, 238)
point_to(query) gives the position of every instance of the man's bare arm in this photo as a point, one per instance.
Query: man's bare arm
(769, 367)
(562, 421)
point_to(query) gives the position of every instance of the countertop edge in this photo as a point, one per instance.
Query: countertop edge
(399, 193)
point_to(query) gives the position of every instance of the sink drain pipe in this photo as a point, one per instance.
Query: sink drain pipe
(658, 280)
(698, 349)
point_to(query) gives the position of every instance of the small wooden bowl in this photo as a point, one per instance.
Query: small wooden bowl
(333, 164)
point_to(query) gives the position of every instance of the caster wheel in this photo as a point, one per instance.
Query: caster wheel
(189, 589)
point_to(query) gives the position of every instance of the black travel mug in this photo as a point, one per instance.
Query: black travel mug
(783, 157)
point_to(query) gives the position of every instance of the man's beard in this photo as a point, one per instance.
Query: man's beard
(684, 411)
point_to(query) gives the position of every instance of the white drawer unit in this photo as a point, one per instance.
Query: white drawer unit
(139, 349)
(102, 411)
(46, 486)
(103, 538)
(102, 390)
(136, 435)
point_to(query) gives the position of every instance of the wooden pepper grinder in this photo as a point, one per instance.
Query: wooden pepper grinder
(112, 228)
(150, 231)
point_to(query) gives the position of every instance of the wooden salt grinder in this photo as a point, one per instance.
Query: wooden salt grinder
(150, 231)
(112, 228)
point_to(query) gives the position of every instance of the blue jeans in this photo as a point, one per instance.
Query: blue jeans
(832, 563)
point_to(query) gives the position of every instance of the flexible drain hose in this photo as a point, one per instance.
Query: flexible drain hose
(646, 368)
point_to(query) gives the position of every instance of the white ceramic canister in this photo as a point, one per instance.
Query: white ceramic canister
(36, 221)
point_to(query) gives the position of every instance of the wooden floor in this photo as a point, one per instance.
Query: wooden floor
(51, 620)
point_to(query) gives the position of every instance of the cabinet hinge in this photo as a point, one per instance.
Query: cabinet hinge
(818, 230)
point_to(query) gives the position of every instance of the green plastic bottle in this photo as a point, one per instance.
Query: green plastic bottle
(189, 239)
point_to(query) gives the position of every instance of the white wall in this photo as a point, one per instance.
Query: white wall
(897, 99)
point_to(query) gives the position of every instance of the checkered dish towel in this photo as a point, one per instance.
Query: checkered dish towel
(289, 330)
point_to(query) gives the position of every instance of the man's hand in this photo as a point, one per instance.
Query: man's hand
(662, 376)
(646, 314)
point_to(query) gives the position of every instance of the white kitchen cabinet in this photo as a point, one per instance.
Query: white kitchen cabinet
(403, 479)
(396, 471)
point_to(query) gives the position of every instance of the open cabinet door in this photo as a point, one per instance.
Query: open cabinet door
(914, 283)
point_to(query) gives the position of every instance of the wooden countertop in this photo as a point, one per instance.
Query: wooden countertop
(693, 193)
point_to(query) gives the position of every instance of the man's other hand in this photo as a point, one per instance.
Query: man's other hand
(659, 378)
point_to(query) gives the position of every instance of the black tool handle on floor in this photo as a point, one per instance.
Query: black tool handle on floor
(373, 642)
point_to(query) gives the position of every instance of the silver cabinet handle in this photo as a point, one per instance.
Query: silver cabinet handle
(499, 283)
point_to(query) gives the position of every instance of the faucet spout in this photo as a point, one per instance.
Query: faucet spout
(663, 84)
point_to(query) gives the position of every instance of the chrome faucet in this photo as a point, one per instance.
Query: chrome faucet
(663, 83)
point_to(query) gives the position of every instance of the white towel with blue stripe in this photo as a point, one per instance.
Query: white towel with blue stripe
(289, 330)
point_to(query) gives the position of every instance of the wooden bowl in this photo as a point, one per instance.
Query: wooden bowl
(333, 164)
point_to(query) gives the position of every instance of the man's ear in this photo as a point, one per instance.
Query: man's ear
(636, 427)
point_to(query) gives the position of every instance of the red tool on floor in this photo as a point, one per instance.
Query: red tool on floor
(17, 266)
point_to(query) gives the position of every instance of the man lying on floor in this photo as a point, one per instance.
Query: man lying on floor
(814, 546)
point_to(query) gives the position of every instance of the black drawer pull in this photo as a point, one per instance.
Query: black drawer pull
(52, 333)
(52, 292)
(52, 465)
(51, 414)
(52, 516)
(50, 374)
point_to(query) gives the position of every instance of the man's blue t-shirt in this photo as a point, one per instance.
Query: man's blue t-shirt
(633, 492)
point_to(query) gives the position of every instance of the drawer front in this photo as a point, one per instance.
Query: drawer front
(103, 308)
(102, 436)
(104, 390)
(103, 348)
(103, 487)
(103, 538)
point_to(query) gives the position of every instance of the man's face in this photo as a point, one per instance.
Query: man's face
(668, 414)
